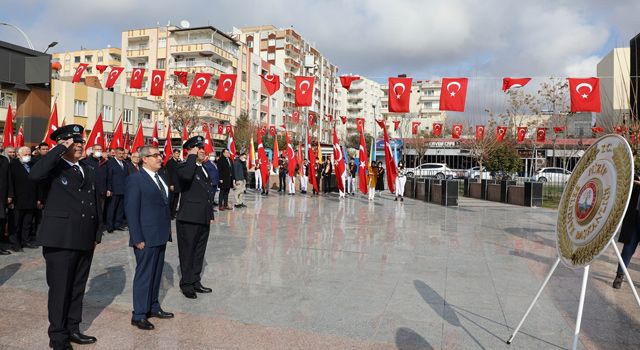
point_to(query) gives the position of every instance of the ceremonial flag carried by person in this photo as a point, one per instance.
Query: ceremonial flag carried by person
(362, 171)
(453, 94)
(346, 80)
(291, 156)
(208, 146)
(19, 138)
(276, 153)
(271, 83)
(304, 91)
(78, 74)
(53, 126)
(113, 76)
(96, 137)
(264, 161)
(252, 155)
(312, 163)
(136, 78)
(117, 140)
(157, 82)
(232, 143)
(138, 140)
(399, 95)
(390, 164)
(154, 135)
(226, 87)
(338, 160)
(168, 150)
(127, 144)
(508, 83)
(585, 94)
(200, 84)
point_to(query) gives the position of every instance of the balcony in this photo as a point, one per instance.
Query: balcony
(202, 66)
(292, 50)
(138, 51)
(204, 48)
(220, 115)
(291, 63)
(430, 110)
(290, 78)
(138, 33)
(424, 97)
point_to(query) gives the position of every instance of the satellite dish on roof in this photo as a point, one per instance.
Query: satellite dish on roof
(185, 24)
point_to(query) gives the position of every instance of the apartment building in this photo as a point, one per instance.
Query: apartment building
(68, 61)
(360, 101)
(613, 71)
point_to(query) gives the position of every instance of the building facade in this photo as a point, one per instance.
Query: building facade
(110, 56)
(613, 71)
(360, 102)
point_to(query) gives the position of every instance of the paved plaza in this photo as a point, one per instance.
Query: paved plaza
(296, 272)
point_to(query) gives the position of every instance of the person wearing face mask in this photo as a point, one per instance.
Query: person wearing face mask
(401, 179)
(96, 159)
(24, 194)
(5, 179)
(239, 180)
(212, 169)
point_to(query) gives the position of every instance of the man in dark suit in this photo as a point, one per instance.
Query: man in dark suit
(24, 194)
(195, 214)
(5, 179)
(133, 166)
(174, 184)
(68, 234)
(225, 173)
(146, 204)
(116, 175)
(98, 162)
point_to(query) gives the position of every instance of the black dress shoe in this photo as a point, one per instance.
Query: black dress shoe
(60, 345)
(109, 230)
(4, 252)
(160, 314)
(80, 338)
(201, 289)
(190, 294)
(143, 324)
(122, 228)
(30, 246)
(17, 249)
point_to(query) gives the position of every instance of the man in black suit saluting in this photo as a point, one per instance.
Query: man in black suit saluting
(195, 214)
(68, 233)
(146, 204)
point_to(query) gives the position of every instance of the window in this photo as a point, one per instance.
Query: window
(256, 69)
(191, 61)
(272, 42)
(7, 98)
(250, 44)
(271, 56)
(161, 63)
(254, 95)
(80, 108)
(280, 43)
(162, 42)
(142, 65)
(76, 59)
(127, 115)
(107, 113)
(89, 70)
(144, 116)
(88, 58)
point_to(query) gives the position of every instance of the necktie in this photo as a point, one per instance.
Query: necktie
(164, 192)
(76, 167)
(27, 167)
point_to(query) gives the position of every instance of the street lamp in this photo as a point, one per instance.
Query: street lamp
(53, 43)
(21, 32)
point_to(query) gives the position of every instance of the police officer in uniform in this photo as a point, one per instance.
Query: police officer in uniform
(195, 214)
(68, 233)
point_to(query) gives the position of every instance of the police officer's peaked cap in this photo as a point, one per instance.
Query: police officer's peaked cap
(196, 141)
(68, 131)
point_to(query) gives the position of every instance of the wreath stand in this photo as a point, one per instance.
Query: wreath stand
(582, 294)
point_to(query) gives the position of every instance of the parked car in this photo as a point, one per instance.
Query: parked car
(476, 173)
(557, 175)
(437, 170)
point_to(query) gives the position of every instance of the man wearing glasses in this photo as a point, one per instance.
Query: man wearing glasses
(146, 205)
(68, 233)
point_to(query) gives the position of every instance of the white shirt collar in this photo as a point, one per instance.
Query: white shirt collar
(151, 173)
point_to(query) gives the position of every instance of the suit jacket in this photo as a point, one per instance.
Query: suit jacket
(5, 180)
(225, 172)
(99, 166)
(116, 176)
(70, 219)
(172, 175)
(212, 170)
(148, 215)
(131, 169)
(23, 190)
(196, 198)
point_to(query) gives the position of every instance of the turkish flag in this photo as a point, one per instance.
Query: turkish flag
(558, 129)
(346, 80)
(136, 78)
(343, 118)
(157, 82)
(437, 129)
(620, 129)
(19, 138)
(521, 132)
(312, 163)
(399, 95)
(362, 167)
(232, 142)
(453, 94)
(338, 159)
(154, 136)
(541, 134)
(101, 68)
(597, 129)
(226, 87)
(185, 137)
(295, 116)
(117, 139)
(585, 94)
(390, 163)
(291, 156)
(200, 84)
(508, 83)
(113, 76)
(414, 127)
(456, 131)
(479, 132)
(96, 137)
(271, 83)
(127, 144)
(78, 74)
(312, 119)
(220, 129)
(276, 154)
(138, 140)
(7, 139)
(360, 124)
(182, 77)
(272, 130)
(330, 117)
(304, 91)
(168, 150)
(501, 132)
(208, 147)
(53, 126)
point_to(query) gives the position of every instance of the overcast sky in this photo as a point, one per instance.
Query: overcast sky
(375, 38)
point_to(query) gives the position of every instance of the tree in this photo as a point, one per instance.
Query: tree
(243, 131)
(353, 141)
(419, 143)
(504, 158)
(482, 150)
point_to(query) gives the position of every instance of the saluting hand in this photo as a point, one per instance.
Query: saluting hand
(67, 143)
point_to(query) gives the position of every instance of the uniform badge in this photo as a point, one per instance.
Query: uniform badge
(197, 177)
(63, 180)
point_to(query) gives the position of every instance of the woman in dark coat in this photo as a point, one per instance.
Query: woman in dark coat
(225, 172)
(629, 233)
(381, 175)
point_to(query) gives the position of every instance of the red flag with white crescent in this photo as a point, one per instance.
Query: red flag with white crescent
(360, 124)
(53, 126)
(271, 83)
(437, 129)
(113, 76)
(226, 87)
(346, 80)
(396, 125)
(138, 140)
(585, 94)
(168, 150)
(456, 131)
(508, 83)
(96, 137)
(453, 94)
(304, 91)
(208, 146)
(263, 161)
(399, 95)
(117, 140)
(521, 133)
(390, 163)
(338, 159)
(19, 138)
(182, 77)
(136, 78)
(362, 167)
(501, 131)
(312, 162)
(157, 82)
(78, 74)
(232, 142)
(479, 132)
(200, 84)
(291, 156)
(541, 134)
(414, 127)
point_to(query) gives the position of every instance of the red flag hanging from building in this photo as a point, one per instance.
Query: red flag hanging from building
(7, 139)
(304, 91)
(456, 131)
(226, 87)
(414, 127)
(157, 82)
(154, 135)
(501, 132)
(182, 77)
(200, 84)
(585, 94)
(479, 132)
(396, 124)
(558, 129)
(136, 78)
(117, 140)
(508, 83)
(96, 137)
(390, 163)
(53, 126)
(437, 129)
(295, 116)
(360, 124)
(541, 134)
(138, 140)
(312, 164)
(113, 76)
(346, 80)
(597, 129)
(338, 161)
(362, 167)
(19, 138)
(291, 156)
(453, 94)
(101, 68)
(521, 133)
(78, 74)
(399, 95)
(208, 146)
(220, 129)
(271, 83)
(343, 119)
(168, 150)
